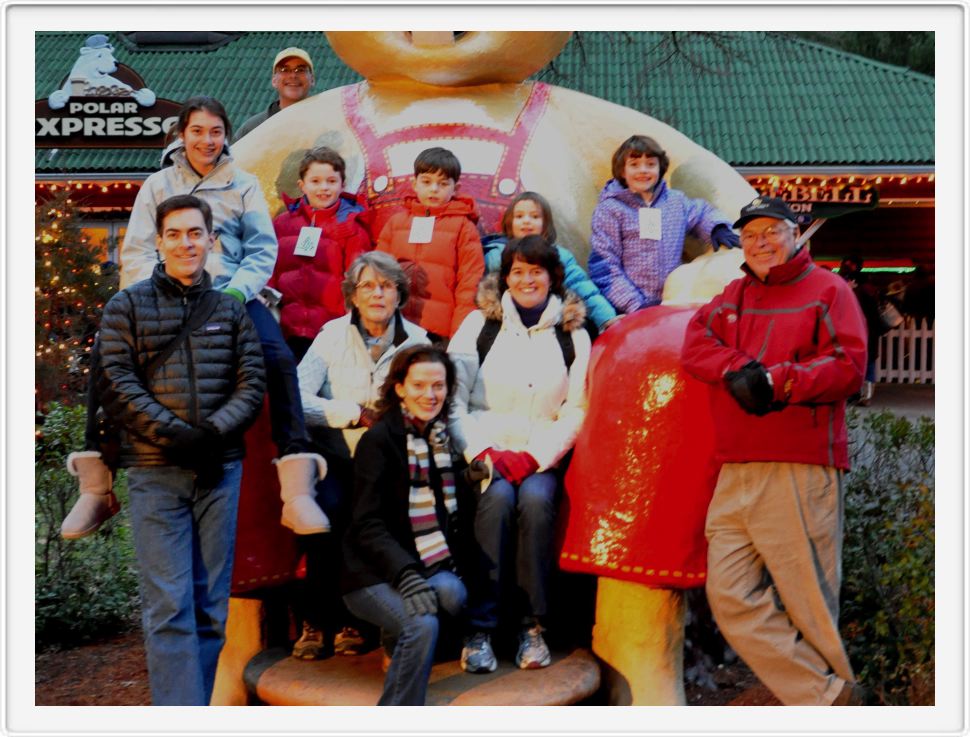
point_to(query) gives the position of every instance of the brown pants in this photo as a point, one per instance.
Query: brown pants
(774, 569)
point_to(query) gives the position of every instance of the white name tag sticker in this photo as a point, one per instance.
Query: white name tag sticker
(306, 244)
(421, 230)
(650, 226)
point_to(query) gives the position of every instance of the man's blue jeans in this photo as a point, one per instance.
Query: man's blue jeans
(514, 527)
(406, 683)
(184, 540)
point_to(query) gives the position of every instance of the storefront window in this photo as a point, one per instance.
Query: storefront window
(105, 235)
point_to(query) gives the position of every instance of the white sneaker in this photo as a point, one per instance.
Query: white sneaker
(310, 644)
(477, 655)
(533, 651)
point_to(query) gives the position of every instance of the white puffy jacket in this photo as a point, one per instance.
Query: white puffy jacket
(338, 377)
(521, 397)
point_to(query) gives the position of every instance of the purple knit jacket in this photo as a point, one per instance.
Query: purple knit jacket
(629, 270)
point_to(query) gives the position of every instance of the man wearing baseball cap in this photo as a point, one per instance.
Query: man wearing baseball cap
(292, 79)
(782, 348)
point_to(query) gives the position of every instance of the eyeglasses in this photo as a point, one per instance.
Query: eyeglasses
(367, 288)
(300, 70)
(771, 233)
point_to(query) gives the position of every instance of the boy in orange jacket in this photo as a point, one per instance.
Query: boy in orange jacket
(435, 240)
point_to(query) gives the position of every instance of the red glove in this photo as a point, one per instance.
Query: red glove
(502, 461)
(515, 467)
(488, 452)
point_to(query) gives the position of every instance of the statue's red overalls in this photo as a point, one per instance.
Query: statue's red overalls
(493, 191)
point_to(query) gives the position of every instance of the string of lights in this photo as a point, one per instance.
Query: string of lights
(70, 291)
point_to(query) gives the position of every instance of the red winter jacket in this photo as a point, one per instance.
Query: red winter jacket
(311, 284)
(804, 325)
(444, 273)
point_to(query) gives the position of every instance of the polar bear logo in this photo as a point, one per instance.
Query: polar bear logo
(90, 77)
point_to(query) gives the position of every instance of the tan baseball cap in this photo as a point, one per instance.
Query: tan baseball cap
(292, 51)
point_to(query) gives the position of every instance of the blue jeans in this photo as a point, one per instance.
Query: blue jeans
(406, 683)
(285, 409)
(515, 525)
(184, 539)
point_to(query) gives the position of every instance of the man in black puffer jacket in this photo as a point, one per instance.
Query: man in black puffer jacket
(183, 402)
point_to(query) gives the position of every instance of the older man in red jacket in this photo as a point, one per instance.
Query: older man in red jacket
(782, 348)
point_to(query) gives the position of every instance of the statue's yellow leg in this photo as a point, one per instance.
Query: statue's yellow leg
(639, 635)
(245, 637)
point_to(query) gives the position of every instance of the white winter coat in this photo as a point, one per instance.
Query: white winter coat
(338, 377)
(521, 397)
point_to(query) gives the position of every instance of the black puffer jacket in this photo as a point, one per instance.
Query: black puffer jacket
(215, 375)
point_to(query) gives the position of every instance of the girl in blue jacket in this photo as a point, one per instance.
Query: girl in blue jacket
(530, 214)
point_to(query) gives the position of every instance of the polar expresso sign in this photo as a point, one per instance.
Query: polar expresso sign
(102, 104)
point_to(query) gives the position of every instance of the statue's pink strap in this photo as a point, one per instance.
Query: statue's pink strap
(375, 146)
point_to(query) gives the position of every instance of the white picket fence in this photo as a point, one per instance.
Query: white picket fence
(906, 354)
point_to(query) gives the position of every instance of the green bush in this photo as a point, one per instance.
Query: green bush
(888, 556)
(85, 588)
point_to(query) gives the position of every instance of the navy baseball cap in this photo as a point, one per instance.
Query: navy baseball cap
(766, 207)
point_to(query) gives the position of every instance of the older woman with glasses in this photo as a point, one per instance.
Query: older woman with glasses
(340, 381)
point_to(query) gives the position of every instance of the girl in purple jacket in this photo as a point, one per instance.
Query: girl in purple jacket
(639, 227)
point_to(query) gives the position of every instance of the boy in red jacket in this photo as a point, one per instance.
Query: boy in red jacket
(436, 242)
(320, 235)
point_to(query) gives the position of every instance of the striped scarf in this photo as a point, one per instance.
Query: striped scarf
(428, 537)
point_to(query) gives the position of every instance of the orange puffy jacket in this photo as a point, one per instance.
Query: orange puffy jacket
(444, 273)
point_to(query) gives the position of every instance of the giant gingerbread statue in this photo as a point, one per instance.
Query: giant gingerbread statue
(640, 479)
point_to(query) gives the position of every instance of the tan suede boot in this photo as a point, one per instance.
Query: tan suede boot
(298, 473)
(97, 502)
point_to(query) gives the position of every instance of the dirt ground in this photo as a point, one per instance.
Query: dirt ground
(113, 673)
(107, 673)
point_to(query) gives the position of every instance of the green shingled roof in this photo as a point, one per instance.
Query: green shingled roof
(760, 99)
(754, 99)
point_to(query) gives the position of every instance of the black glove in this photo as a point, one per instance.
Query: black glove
(722, 235)
(419, 597)
(208, 472)
(475, 472)
(196, 446)
(751, 388)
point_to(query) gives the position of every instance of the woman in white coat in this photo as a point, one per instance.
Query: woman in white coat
(521, 364)
(340, 381)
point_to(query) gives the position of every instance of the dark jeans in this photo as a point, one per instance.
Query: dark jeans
(406, 683)
(515, 525)
(285, 409)
(317, 599)
(299, 346)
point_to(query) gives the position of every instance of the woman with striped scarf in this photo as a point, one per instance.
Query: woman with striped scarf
(399, 552)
